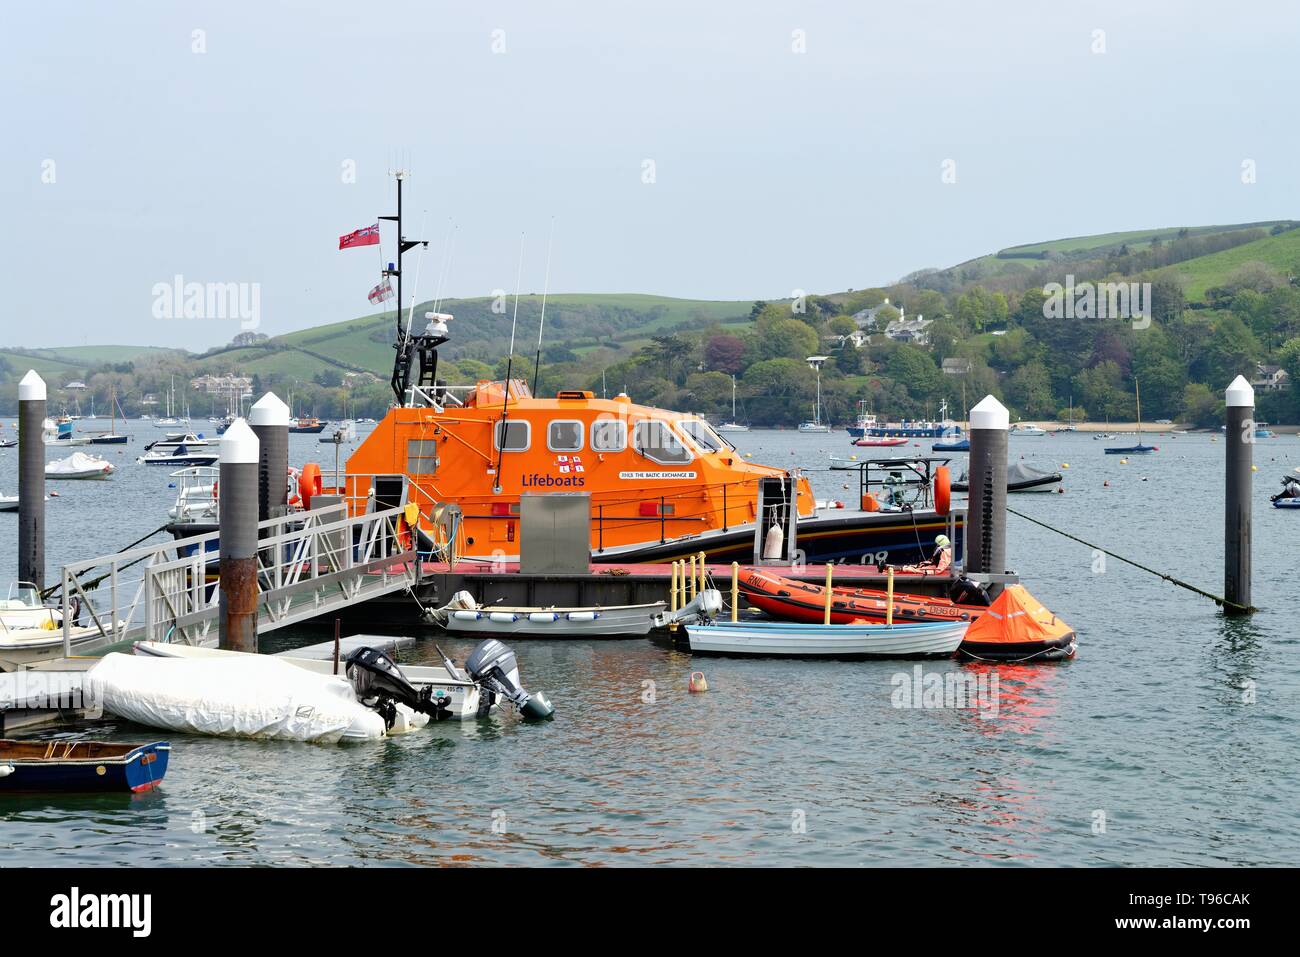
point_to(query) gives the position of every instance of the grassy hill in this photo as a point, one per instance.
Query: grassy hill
(1025, 264)
(61, 364)
(599, 329)
(1282, 252)
(579, 321)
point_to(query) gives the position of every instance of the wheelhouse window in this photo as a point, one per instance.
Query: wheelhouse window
(653, 439)
(608, 435)
(421, 457)
(703, 436)
(512, 436)
(564, 435)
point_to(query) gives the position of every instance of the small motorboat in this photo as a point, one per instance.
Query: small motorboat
(1018, 628)
(180, 448)
(843, 465)
(1026, 428)
(82, 765)
(8, 503)
(879, 442)
(1289, 497)
(61, 433)
(307, 424)
(196, 495)
(79, 465)
(861, 640)
(786, 599)
(463, 615)
(955, 445)
(1020, 478)
(23, 608)
(24, 646)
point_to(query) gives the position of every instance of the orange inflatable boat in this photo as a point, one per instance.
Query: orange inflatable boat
(790, 600)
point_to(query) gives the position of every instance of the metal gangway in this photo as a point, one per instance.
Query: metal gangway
(310, 563)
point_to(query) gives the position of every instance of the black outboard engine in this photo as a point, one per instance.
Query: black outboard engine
(380, 684)
(966, 592)
(494, 667)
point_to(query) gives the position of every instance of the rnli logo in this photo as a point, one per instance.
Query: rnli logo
(569, 464)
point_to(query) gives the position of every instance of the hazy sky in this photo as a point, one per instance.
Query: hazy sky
(773, 169)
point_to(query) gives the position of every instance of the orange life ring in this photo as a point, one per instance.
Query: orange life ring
(214, 490)
(309, 483)
(942, 490)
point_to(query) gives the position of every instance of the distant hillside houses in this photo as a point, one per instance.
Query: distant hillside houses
(222, 384)
(857, 339)
(956, 366)
(868, 318)
(1269, 378)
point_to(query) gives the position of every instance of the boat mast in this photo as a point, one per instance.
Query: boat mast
(1137, 391)
(407, 344)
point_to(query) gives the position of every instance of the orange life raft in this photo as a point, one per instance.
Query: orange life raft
(1016, 627)
(789, 600)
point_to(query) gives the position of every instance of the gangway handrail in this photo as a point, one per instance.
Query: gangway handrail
(314, 550)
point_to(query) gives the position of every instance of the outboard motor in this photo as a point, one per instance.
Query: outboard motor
(966, 592)
(380, 684)
(493, 667)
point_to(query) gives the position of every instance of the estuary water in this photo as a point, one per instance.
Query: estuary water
(1170, 740)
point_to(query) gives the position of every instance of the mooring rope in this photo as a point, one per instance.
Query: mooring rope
(1217, 599)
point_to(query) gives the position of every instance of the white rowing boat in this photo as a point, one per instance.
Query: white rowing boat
(787, 639)
(464, 615)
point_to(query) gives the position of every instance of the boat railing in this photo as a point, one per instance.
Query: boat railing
(310, 563)
(436, 397)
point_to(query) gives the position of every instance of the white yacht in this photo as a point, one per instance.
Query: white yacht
(733, 425)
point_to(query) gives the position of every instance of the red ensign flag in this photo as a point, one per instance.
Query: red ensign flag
(366, 236)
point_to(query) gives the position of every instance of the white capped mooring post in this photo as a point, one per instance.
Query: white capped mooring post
(31, 479)
(1239, 446)
(238, 505)
(986, 514)
(269, 418)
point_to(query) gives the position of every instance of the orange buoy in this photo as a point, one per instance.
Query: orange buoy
(942, 490)
(697, 683)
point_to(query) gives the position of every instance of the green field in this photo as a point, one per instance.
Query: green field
(1134, 239)
(1282, 252)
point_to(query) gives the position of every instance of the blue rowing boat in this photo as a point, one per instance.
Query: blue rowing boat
(82, 765)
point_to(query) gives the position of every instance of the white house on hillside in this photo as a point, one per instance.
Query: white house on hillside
(1269, 378)
(909, 330)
